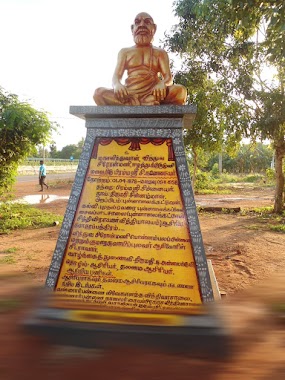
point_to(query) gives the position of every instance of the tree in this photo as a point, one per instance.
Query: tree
(250, 158)
(53, 149)
(233, 42)
(67, 151)
(21, 129)
(211, 130)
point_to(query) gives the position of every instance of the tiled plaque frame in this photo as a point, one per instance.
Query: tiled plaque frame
(136, 121)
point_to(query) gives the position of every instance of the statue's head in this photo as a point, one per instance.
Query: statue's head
(143, 29)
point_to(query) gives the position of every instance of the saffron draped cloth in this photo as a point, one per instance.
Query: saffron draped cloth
(140, 85)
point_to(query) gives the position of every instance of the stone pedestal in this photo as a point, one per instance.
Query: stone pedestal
(164, 320)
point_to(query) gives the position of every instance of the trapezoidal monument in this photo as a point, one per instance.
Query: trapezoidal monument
(129, 265)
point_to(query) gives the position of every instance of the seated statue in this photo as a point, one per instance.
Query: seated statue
(149, 80)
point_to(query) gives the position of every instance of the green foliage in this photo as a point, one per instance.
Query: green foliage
(270, 174)
(273, 222)
(70, 150)
(9, 250)
(206, 184)
(226, 46)
(21, 129)
(19, 216)
(263, 211)
(251, 178)
(67, 151)
(7, 260)
(215, 170)
(227, 178)
(277, 228)
(202, 181)
(248, 158)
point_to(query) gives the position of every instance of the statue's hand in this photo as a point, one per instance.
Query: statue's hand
(159, 91)
(121, 92)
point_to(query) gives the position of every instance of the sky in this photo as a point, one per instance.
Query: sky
(54, 53)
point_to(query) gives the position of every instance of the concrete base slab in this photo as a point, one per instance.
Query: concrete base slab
(201, 336)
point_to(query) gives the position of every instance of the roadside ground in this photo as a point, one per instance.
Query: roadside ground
(249, 263)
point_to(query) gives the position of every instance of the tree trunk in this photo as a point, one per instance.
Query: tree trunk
(220, 163)
(278, 201)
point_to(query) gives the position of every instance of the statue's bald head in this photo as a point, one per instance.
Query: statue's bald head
(145, 16)
(143, 29)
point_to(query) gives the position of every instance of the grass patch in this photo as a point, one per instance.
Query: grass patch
(252, 178)
(226, 178)
(274, 222)
(254, 227)
(263, 217)
(15, 216)
(8, 260)
(61, 183)
(277, 227)
(9, 250)
(217, 190)
(266, 212)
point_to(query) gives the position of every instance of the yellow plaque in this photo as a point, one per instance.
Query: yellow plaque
(129, 248)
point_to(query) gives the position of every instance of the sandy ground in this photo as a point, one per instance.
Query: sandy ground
(249, 263)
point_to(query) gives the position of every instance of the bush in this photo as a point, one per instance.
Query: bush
(215, 170)
(251, 178)
(203, 181)
(228, 178)
(270, 174)
(21, 128)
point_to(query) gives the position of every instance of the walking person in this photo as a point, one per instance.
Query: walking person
(42, 175)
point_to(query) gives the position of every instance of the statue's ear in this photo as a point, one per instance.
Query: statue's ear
(154, 28)
(132, 27)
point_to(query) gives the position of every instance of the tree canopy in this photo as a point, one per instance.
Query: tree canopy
(67, 151)
(21, 128)
(239, 46)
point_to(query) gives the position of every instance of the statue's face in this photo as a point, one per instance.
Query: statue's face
(143, 29)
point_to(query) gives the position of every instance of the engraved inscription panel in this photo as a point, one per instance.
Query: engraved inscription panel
(129, 247)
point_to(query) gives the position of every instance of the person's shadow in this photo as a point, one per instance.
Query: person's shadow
(44, 197)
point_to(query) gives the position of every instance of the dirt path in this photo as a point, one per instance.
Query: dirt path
(249, 263)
